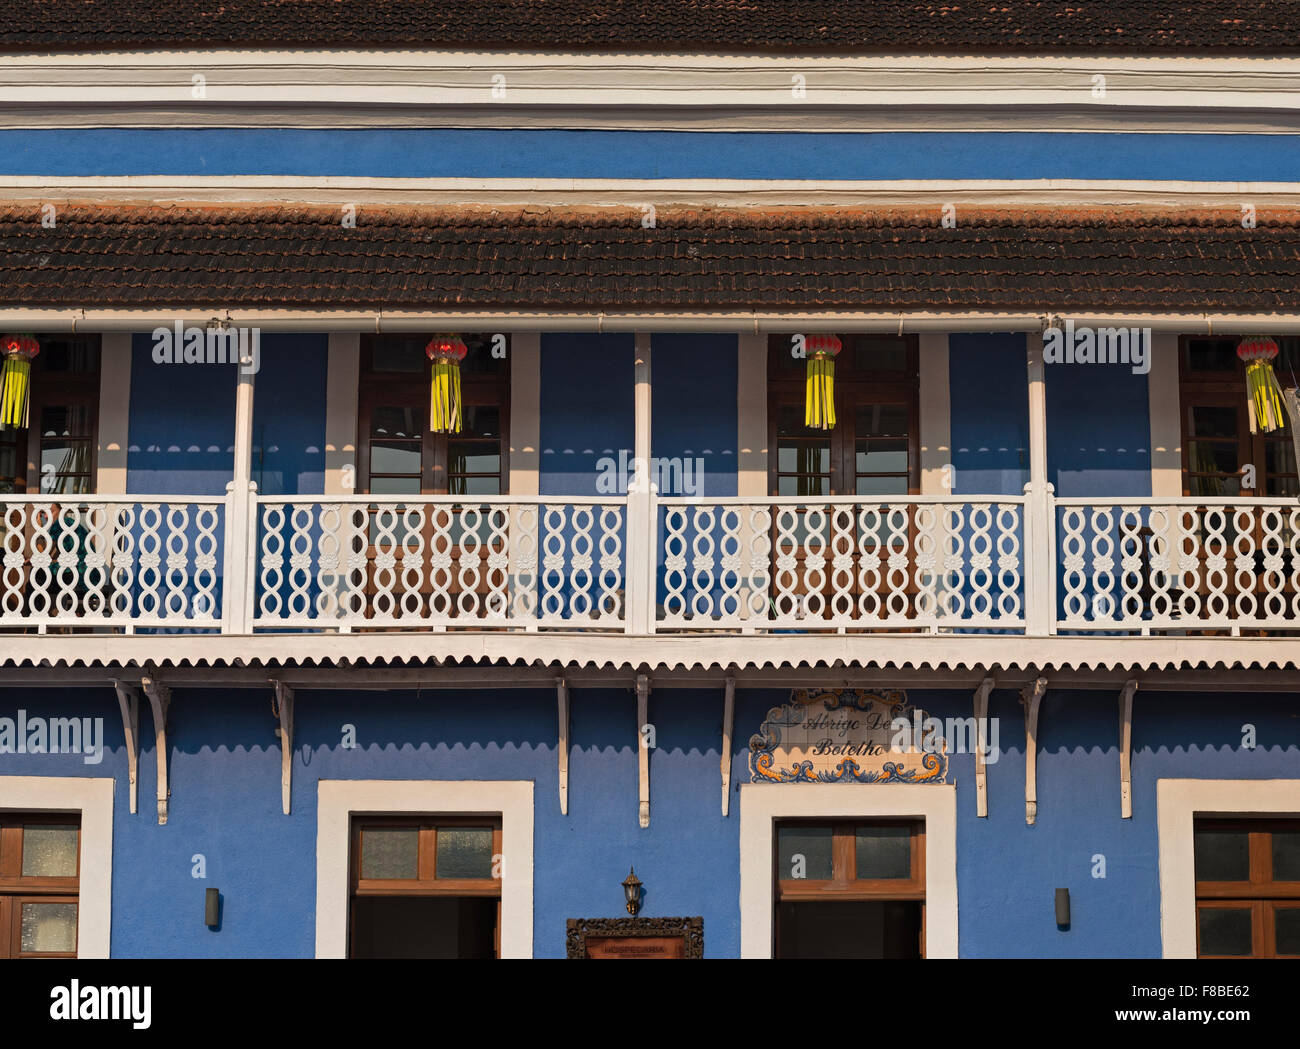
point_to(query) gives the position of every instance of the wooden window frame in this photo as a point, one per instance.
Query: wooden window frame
(843, 885)
(378, 389)
(1261, 893)
(1217, 389)
(851, 388)
(16, 890)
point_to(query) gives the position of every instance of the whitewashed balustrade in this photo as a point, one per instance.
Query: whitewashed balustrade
(439, 562)
(111, 561)
(1138, 565)
(912, 563)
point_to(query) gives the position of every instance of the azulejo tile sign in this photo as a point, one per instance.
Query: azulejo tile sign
(845, 735)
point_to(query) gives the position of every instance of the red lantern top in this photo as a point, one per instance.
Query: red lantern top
(823, 345)
(1257, 348)
(24, 346)
(446, 348)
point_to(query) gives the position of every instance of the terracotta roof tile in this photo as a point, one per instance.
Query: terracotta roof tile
(844, 26)
(430, 258)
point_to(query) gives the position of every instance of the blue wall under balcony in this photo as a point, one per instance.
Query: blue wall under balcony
(988, 413)
(225, 805)
(1098, 430)
(182, 420)
(533, 153)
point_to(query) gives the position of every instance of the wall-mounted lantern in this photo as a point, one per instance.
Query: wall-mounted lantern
(632, 892)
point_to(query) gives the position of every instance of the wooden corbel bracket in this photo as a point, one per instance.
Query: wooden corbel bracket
(160, 698)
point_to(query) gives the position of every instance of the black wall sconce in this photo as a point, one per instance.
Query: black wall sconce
(1062, 908)
(211, 908)
(632, 892)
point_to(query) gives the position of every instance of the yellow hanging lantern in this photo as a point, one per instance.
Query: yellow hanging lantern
(1264, 396)
(819, 388)
(16, 379)
(446, 352)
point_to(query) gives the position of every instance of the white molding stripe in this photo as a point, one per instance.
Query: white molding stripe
(93, 799)
(1171, 195)
(1178, 803)
(762, 804)
(339, 800)
(1085, 654)
(333, 78)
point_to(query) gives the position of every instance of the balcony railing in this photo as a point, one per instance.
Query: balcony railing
(1030, 564)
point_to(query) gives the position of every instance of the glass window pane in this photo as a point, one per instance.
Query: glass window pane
(882, 456)
(1225, 930)
(481, 421)
(1286, 929)
(394, 486)
(1280, 487)
(49, 851)
(803, 486)
(65, 420)
(1214, 487)
(881, 420)
(1286, 855)
(474, 485)
(49, 927)
(1279, 457)
(1212, 457)
(878, 355)
(790, 422)
(395, 457)
(884, 852)
(1222, 855)
(397, 422)
(473, 458)
(807, 457)
(882, 486)
(1213, 421)
(804, 852)
(1208, 355)
(398, 355)
(390, 852)
(464, 852)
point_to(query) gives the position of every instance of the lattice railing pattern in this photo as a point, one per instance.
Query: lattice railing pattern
(111, 561)
(440, 561)
(1183, 563)
(838, 564)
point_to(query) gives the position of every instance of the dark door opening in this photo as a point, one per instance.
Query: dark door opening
(424, 927)
(863, 929)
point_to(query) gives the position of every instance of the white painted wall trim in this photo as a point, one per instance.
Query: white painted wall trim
(1163, 399)
(114, 413)
(1178, 802)
(751, 416)
(547, 192)
(459, 78)
(762, 804)
(339, 800)
(341, 397)
(93, 799)
(936, 414)
(525, 412)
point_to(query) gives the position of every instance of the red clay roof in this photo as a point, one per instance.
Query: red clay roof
(836, 26)
(460, 258)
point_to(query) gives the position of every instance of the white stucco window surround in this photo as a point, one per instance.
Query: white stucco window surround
(763, 804)
(1178, 803)
(339, 800)
(93, 799)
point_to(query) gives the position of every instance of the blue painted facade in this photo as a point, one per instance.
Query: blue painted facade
(225, 767)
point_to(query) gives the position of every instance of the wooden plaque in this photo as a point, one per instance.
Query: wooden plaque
(635, 938)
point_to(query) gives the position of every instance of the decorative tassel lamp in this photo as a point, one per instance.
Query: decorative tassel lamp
(819, 389)
(16, 379)
(1264, 396)
(446, 352)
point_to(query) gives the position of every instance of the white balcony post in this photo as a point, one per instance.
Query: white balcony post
(1039, 555)
(241, 507)
(640, 505)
